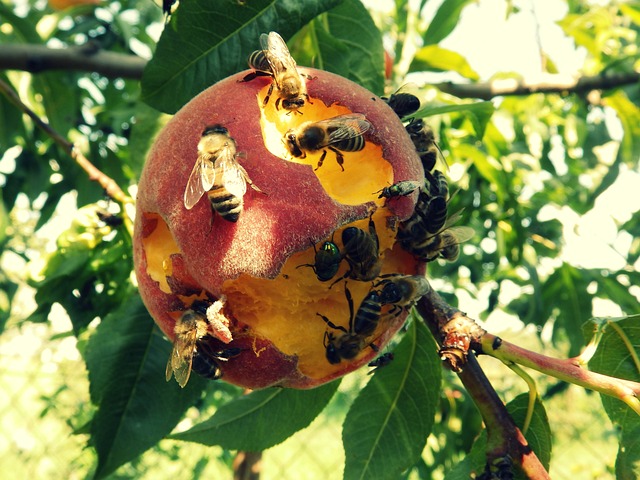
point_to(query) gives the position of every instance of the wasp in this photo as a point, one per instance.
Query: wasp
(343, 133)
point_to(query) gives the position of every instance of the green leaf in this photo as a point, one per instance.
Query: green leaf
(629, 115)
(208, 40)
(566, 291)
(538, 437)
(261, 419)
(436, 59)
(126, 359)
(444, 21)
(388, 424)
(350, 45)
(628, 459)
(479, 113)
(617, 355)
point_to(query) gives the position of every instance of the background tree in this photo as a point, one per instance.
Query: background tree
(533, 159)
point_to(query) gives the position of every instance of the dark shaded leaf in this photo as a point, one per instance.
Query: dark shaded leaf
(538, 437)
(388, 424)
(208, 40)
(261, 419)
(351, 45)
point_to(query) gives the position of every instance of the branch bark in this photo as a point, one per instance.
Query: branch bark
(90, 58)
(550, 83)
(86, 58)
(455, 333)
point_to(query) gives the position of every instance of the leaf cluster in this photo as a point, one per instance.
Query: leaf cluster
(519, 163)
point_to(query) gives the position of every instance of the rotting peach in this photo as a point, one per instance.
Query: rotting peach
(258, 263)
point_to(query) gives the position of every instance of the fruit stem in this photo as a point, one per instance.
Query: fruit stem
(505, 441)
(570, 370)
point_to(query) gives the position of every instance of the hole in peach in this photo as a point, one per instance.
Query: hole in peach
(365, 172)
(158, 246)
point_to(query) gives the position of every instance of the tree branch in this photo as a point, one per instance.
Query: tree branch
(455, 333)
(90, 58)
(549, 83)
(570, 370)
(86, 58)
(109, 185)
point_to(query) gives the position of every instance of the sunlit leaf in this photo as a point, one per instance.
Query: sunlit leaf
(388, 424)
(208, 40)
(261, 419)
(126, 359)
(629, 115)
(618, 355)
(444, 21)
(437, 59)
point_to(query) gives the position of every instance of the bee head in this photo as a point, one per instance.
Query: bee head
(217, 128)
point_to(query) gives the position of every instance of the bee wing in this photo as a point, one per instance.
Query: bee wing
(182, 357)
(344, 127)
(277, 53)
(201, 179)
(459, 235)
(234, 177)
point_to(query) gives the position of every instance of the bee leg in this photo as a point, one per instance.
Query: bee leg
(308, 100)
(269, 92)
(278, 104)
(331, 324)
(322, 157)
(250, 76)
(339, 156)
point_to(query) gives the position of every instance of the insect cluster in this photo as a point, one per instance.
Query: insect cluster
(218, 173)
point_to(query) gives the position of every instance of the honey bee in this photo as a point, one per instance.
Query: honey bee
(402, 291)
(275, 60)
(424, 140)
(445, 244)
(343, 133)
(382, 361)
(400, 189)
(205, 361)
(430, 213)
(327, 261)
(361, 250)
(218, 173)
(190, 327)
(348, 344)
(403, 102)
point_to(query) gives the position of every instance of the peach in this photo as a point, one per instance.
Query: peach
(259, 263)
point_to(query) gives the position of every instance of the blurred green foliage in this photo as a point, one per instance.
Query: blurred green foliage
(520, 162)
